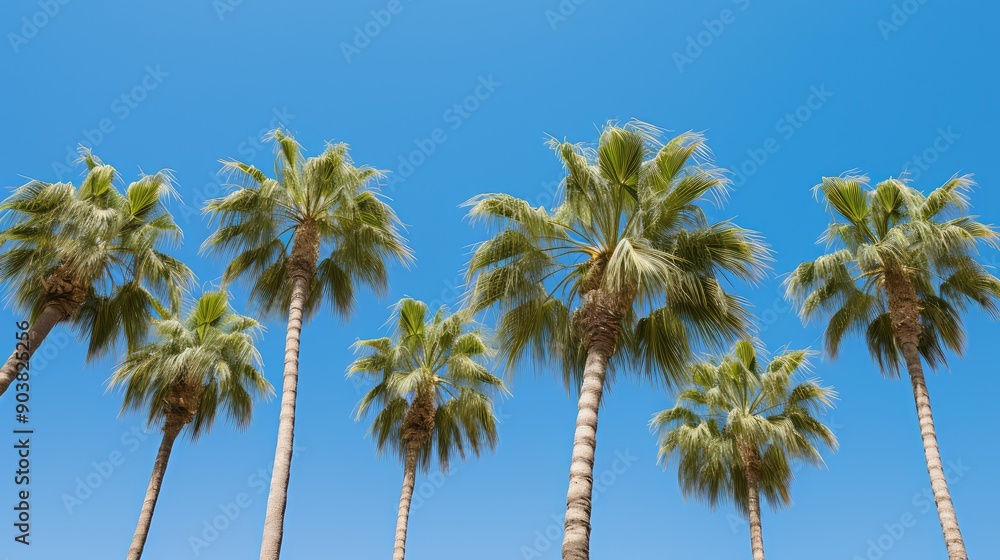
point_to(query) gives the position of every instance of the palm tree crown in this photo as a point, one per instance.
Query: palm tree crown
(324, 206)
(94, 253)
(628, 244)
(196, 368)
(431, 386)
(737, 409)
(894, 232)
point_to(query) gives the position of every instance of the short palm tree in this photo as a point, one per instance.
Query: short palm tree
(624, 270)
(310, 236)
(433, 394)
(90, 256)
(901, 271)
(196, 368)
(737, 427)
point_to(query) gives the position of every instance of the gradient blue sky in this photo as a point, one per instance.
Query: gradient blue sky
(216, 77)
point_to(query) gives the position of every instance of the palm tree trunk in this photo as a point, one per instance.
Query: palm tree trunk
(904, 309)
(170, 431)
(939, 485)
(751, 466)
(277, 497)
(50, 316)
(409, 481)
(576, 539)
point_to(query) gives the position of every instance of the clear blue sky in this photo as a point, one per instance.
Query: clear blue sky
(201, 82)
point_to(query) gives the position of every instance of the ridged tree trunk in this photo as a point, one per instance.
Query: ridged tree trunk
(301, 267)
(37, 331)
(405, 498)
(602, 323)
(751, 465)
(65, 299)
(904, 309)
(418, 427)
(171, 428)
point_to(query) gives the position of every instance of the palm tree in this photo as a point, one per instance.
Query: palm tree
(902, 270)
(736, 429)
(195, 369)
(277, 231)
(90, 256)
(623, 271)
(433, 395)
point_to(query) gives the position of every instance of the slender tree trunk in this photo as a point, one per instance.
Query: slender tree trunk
(601, 316)
(50, 316)
(576, 540)
(751, 465)
(418, 428)
(409, 480)
(904, 311)
(939, 485)
(277, 497)
(170, 431)
(301, 269)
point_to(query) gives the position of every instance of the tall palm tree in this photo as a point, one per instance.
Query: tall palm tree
(310, 235)
(195, 369)
(89, 256)
(901, 271)
(433, 394)
(737, 427)
(624, 270)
